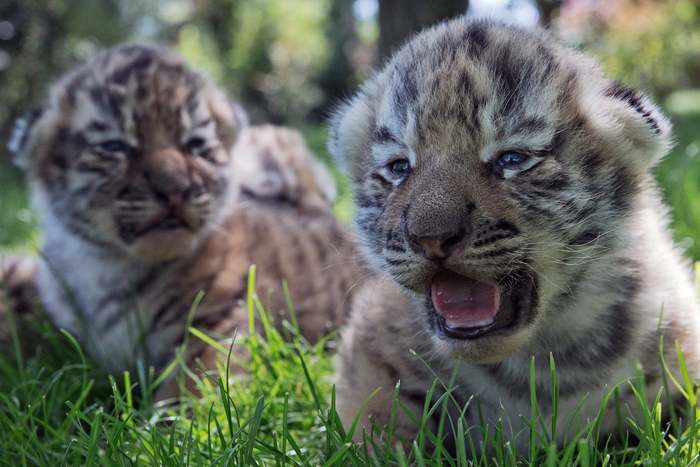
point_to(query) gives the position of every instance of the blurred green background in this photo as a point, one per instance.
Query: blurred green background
(290, 61)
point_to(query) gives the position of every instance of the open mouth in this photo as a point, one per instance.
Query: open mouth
(466, 308)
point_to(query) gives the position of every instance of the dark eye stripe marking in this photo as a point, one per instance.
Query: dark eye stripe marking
(90, 168)
(493, 239)
(382, 181)
(97, 126)
(383, 135)
(494, 254)
(556, 183)
(395, 262)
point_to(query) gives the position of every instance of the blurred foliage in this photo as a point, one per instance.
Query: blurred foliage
(679, 173)
(17, 222)
(284, 60)
(264, 51)
(40, 38)
(652, 44)
(289, 61)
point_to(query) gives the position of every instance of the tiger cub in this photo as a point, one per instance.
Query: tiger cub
(504, 189)
(132, 170)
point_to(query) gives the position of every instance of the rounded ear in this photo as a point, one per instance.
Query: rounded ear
(350, 130)
(631, 125)
(240, 114)
(20, 136)
(229, 115)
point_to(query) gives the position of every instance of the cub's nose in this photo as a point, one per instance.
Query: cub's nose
(167, 173)
(436, 247)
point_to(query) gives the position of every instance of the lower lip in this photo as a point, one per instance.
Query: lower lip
(467, 333)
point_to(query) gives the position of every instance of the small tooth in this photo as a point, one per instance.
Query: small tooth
(468, 324)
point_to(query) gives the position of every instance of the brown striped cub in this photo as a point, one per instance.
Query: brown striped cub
(130, 167)
(504, 188)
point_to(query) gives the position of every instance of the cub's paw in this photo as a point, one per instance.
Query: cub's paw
(274, 164)
(18, 292)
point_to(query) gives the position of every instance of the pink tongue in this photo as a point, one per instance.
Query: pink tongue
(464, 302)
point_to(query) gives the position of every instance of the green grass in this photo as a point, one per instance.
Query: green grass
(17, 223)
(316, 138)
(679, 173)
(56, 408)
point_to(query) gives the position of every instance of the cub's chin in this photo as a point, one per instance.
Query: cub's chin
(481, 322)
(162, 245)
(487, 349)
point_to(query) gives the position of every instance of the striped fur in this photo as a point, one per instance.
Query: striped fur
(18, 295)
(577, 234)
(135, 177)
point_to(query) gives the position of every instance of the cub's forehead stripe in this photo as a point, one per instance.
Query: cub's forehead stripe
(531, 125)
(202, 124)
(383, 135)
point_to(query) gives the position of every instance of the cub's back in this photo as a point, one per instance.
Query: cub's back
(309, 251)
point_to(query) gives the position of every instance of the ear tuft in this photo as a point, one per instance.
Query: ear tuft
(631, 125)
(229, 115)
(20, 135)
(240, 115)
(350, 130)
(635, 100)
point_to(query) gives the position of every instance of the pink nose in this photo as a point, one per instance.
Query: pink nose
(437, 247)
(167, 173)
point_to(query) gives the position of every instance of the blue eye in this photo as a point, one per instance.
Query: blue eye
(399, 168)
(511, 160)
